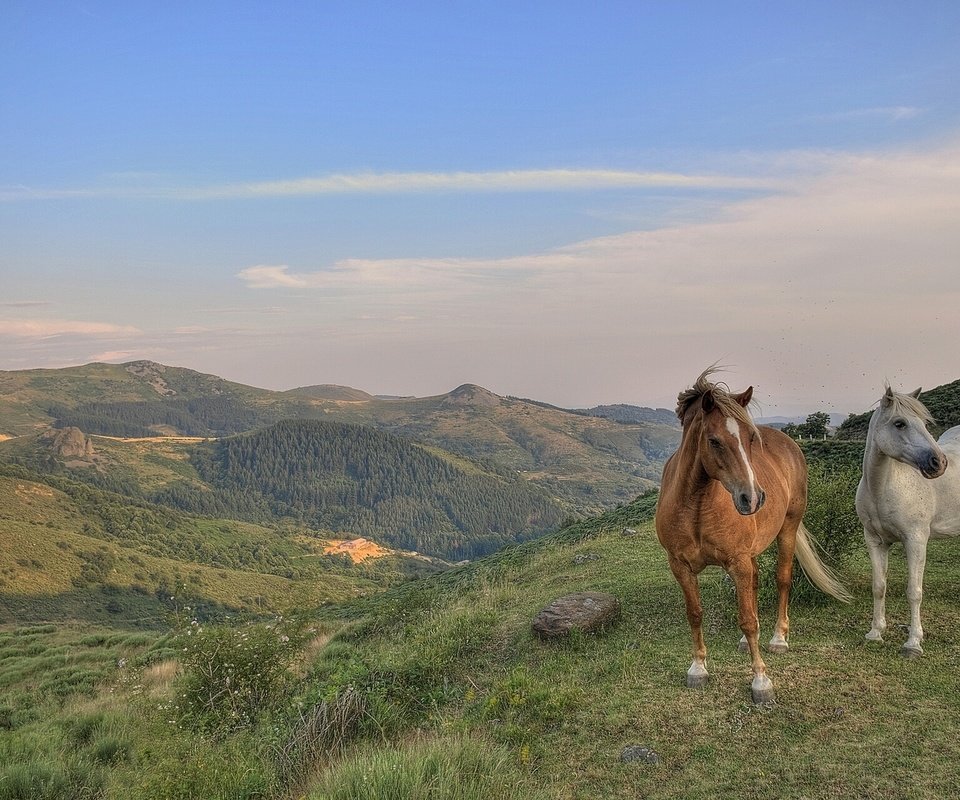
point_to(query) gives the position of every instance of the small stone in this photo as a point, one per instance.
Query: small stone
(635, 752)
(583, 558)
(582, 611)
(629, 531)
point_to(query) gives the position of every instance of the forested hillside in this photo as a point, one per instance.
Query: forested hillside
(202, 416)
(351, 478)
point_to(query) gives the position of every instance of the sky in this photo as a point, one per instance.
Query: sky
(575, 202)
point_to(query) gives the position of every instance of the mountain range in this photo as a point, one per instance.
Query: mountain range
(584, 459)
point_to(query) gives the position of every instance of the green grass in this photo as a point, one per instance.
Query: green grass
(851, 718)
(447, 768)
(105, 561)
(438, 689)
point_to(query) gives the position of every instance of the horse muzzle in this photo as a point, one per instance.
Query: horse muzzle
(748, 503)
(934, 465)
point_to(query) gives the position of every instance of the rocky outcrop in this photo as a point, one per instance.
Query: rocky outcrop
(588, 612)
(68, 443)
(152, 373)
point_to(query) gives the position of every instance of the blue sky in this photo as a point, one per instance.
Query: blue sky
(576, 202)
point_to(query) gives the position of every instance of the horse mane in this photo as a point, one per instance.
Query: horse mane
(722, 396)
(908, 404)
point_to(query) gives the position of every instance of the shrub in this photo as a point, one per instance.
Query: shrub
(111, 750)
(832, 520)
(233, 674)
(319, 732)
(831, 511)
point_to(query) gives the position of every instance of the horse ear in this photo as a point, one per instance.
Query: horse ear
(887, 396)
(744, 397)
(707, 402)
(916, 392)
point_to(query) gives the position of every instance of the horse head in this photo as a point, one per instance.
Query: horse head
(727, 436)
(899, 429)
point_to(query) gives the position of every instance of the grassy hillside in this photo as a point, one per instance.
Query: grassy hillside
(438, 688)
(851, 719)
(79, 554)
(28, 396)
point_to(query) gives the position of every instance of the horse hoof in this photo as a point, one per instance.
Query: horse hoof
(762, 689)
(742, 645)
(697, 681)
(874, 636)
(910, 653)
(762, 695)
(778, 646)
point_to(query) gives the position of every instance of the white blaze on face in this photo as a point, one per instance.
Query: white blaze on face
(734, 429)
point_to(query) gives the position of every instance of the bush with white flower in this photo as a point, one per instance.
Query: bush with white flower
(233, 674)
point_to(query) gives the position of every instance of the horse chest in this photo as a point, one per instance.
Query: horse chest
(894, 501)
(702, 535)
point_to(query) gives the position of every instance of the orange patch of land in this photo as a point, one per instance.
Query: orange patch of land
(155, 438)
(358, 549)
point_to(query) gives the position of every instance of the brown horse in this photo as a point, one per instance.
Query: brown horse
(729, 491)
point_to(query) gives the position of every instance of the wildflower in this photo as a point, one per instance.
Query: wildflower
(525, 754)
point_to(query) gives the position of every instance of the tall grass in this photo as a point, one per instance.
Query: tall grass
(446, 768)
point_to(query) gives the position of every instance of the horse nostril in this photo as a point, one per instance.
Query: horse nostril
(762, 499)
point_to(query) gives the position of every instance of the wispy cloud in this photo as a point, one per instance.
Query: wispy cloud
(44, 328)
(114, 355)
(891, 113)
(546, 180)
(24, 303)
(536, 180)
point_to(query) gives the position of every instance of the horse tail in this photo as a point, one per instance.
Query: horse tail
(819, 573)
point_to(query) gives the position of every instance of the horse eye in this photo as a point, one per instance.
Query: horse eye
(899, 424)
(715, 444)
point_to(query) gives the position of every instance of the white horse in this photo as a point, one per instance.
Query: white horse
(908, 494)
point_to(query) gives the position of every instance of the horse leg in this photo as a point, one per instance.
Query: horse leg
(879, 551)
(697, 675)
(786, 546)
(745, 577)
(916, 552)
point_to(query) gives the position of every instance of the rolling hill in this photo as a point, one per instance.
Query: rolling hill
(588, 461)
(87, 556)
